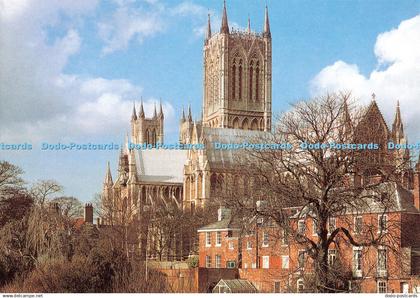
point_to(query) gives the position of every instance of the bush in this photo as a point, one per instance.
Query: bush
(193, 261)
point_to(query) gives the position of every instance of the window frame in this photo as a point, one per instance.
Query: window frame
(330, 220)
(218, 239)
(249, 245)
(302, 253)
(208, 261)
(265, 239)
(384, 287)
(231, 245)
(283, 263)
(356, 229)
(218, 261)
(208, 239)
(382, 225)
(276, 286)
(301, 228)
(284, 237)
(332, 257)
(265, 260)
(382, 253)
(299, 282)
(357, 261)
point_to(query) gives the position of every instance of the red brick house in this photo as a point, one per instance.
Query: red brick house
(219, 242)
(273, 262)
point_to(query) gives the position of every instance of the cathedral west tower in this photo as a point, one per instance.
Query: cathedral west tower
(147, 130)
(237, 77)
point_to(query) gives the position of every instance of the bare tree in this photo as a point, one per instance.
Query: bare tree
(45, 222)
(10, 178)
(44, 189)
(69, 206)
(316, 179)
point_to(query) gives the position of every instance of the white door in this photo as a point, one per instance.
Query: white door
(404, 287)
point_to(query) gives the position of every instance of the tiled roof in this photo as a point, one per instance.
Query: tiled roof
(79, 222)
(398, 199)
(237, 285)
(227, 221)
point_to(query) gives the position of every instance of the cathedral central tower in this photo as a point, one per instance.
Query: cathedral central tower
(237, 77)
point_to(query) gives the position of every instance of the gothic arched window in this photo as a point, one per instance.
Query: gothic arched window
(254, 78)
(251, 75)
(146, 136)
(234, 79)
(257, 81)
(220, 183)
(245, 124)
(235, 122)
(254, 124)
(187, 188)
(200, 185)
(240, 79)
(213, 183)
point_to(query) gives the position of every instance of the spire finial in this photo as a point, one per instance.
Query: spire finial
(183, 114)
(373, 96)
(108, 175)
(225, 26)
(141, 112)
(397, 126)
(208, 33)
(160, 109)
(154, 111)
(189, 113)
(249, 24)
(134, 114)
(267, 31)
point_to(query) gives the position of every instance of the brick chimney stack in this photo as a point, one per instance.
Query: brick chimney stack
(88, 213)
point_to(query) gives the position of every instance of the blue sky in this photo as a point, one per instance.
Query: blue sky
(70, 70)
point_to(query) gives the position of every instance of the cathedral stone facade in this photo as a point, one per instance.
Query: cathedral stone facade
(236, 106)
(237, 78)
(147, 130)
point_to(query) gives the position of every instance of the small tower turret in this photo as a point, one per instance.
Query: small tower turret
(267, 31)
(134, 113)
(189, 114)
(208, 32)
(224, 28)
(154, 111)
(141, 112)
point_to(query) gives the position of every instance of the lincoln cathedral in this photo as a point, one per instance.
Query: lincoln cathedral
(237, 104)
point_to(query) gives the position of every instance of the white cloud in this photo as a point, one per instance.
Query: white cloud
(199, 16)
(129, 23)
(38, 100)
(397, 76)
(188, 8)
